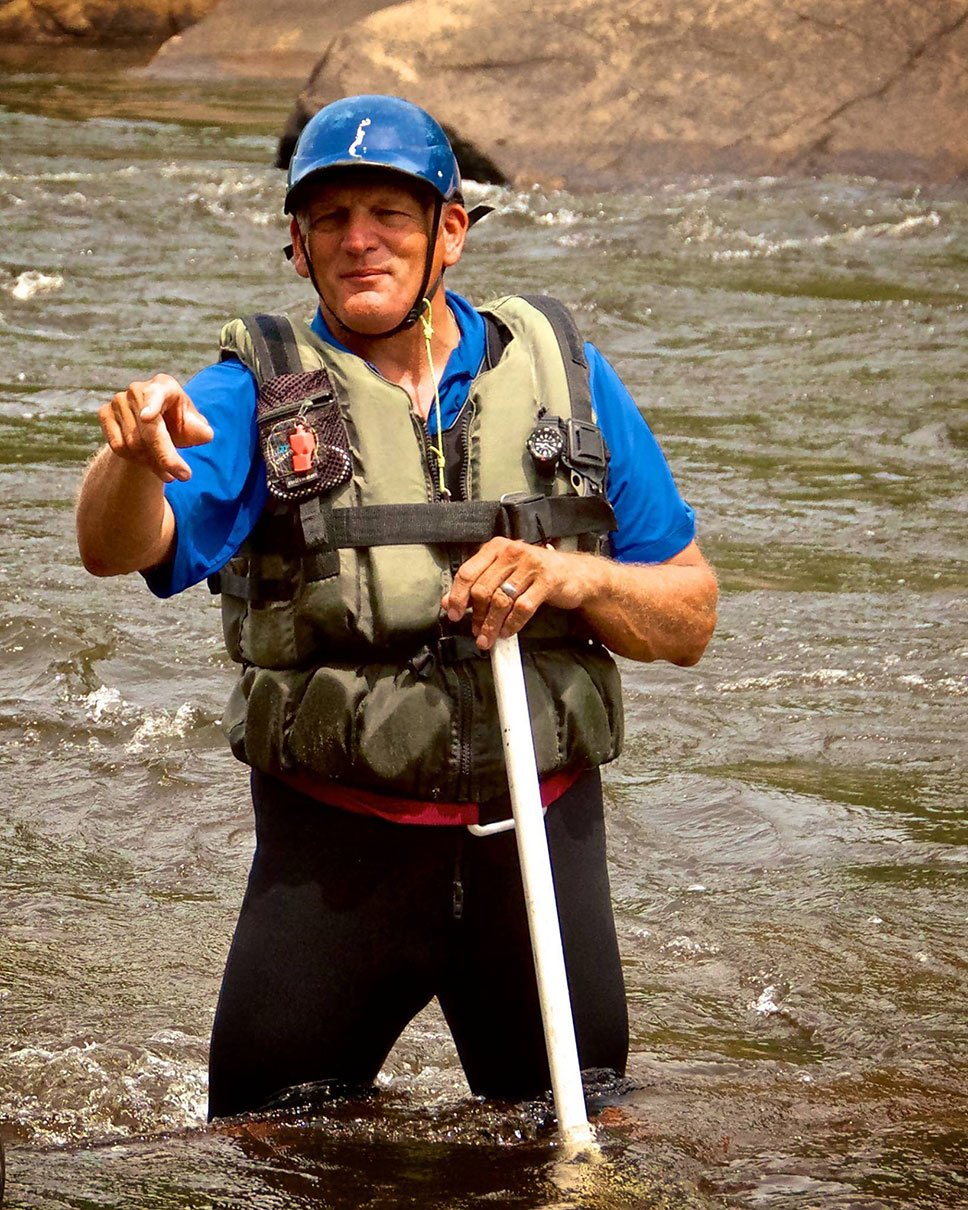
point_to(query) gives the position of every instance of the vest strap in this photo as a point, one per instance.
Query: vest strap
(274, 344)
(532, 519)
(454, 648)
(585, 453)
(459, 523)
(319, 566)
(249, 588)
(572, 353)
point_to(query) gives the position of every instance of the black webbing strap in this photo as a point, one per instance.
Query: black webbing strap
(448, 649)
(476, 213)
(317, 566)
(536, 519)
(249, 588)
(460, 523)
(572, 352)
(416, 524)
(274, 344)
(277, 353)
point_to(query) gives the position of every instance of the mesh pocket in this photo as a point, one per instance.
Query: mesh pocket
(302, 435)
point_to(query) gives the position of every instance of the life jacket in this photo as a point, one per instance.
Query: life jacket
(350, 671)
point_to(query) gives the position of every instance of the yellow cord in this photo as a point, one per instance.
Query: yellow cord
(438, 449)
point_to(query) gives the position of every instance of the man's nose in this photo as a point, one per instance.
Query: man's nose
(359, 233)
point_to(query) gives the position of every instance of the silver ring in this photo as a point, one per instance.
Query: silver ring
(509, 590)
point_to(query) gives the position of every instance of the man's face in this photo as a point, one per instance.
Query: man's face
(367, 239)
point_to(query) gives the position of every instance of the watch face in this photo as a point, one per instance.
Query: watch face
(546, 445)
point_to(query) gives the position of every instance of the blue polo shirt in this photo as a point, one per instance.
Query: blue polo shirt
(216, 509)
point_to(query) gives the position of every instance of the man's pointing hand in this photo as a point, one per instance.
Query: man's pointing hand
(150, 421)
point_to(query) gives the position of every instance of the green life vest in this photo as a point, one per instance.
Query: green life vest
(349, 670)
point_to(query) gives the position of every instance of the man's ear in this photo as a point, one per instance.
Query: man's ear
(454, 225)
(298, 249)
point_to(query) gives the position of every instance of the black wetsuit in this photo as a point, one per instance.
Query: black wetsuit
(351, 925)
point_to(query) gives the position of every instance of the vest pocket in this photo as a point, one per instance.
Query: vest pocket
(258, 716)
(374, 726)
(583, 695)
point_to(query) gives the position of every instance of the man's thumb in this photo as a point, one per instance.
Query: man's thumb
(195, 429)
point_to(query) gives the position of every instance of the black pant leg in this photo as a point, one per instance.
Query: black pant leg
(342, 930)
(489, 995)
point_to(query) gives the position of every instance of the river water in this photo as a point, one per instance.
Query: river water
(787, 823)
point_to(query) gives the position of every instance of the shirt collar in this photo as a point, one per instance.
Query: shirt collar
(463, 365)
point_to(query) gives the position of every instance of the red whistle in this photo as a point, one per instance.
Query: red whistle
(302, 442)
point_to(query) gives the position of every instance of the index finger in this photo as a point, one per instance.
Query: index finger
(458, 598)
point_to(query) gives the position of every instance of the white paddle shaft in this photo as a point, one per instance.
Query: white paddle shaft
(539, 894)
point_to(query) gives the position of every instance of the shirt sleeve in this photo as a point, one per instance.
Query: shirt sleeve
(216, 509)
(654, 522)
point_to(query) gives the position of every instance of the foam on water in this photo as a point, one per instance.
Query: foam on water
(105, 704)
(245, 198)
(33, 282)
(99, 1089)
(701, 228)
(688, 947)
(766, 1002)
(163, 726)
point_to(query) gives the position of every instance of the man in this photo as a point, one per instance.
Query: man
(378, 496)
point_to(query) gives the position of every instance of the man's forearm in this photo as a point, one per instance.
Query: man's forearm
(664, 611)
(124, 523)
(661, 611)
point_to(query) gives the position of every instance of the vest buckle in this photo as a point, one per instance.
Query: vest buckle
(525, 518)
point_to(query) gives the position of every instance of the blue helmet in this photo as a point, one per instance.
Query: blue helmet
(375, 132)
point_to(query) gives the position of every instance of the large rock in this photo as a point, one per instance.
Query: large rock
(282, 39)
(97, 20)
(606, 92)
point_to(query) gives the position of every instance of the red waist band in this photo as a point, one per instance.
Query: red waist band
(411, 810)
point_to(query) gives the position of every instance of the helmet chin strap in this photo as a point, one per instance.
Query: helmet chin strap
(426, 291)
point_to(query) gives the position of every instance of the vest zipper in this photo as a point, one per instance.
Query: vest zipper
(430, 457)
(464, 680)
(465, 711)
(292, 408)
(465, 688)
(465, 434)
